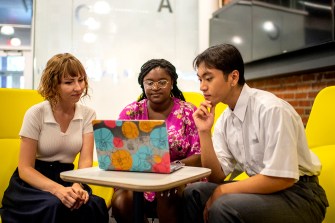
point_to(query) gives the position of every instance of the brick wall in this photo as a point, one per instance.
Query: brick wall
(297, 89)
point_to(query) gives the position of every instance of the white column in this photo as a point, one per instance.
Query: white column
(206, 9)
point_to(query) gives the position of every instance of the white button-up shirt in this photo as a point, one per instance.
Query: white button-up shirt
(263, 135)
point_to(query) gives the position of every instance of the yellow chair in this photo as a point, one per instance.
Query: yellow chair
(321, 121)
(321, 140)
(326, 155)
(14, 103)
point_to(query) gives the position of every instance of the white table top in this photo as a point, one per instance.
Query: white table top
(136, 181)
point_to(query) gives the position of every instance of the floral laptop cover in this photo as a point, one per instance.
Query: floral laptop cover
(133, 145)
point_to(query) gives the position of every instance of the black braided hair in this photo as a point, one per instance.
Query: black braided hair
(169, 68)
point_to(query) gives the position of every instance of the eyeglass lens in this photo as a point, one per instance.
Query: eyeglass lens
(156, 84)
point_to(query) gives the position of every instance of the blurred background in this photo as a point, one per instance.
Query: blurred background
(114, 38)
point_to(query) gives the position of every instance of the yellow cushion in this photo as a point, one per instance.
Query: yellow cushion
(321, 121)
(8, 162)
(14, 104)
(326, 154)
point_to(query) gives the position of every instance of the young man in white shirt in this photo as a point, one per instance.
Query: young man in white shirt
(259, 134)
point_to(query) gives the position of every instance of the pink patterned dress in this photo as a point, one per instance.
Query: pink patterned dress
(182, 133)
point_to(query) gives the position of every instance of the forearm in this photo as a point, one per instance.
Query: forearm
(209, 158)
(193, 160)
(85, 163)
(258, 184)
(38, 180)
(86, 153)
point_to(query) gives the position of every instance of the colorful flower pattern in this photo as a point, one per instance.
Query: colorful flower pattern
(151, 136)
(183, 136)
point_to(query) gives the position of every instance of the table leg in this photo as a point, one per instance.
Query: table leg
(138, 207)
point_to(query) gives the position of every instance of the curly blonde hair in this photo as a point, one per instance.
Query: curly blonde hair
(59, 66)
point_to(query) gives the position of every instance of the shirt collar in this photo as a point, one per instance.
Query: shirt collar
(49, 117)
(242, 103)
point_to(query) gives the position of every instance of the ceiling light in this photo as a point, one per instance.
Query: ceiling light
(89, 37)
(271, 29)
(7, 30)
(237, 40)
(92, 23)
(101, 7)
(15, 41)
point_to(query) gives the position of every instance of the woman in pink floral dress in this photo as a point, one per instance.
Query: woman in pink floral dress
(161, 99)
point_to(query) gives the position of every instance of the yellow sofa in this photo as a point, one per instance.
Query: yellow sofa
(321, 139)
(14, 103)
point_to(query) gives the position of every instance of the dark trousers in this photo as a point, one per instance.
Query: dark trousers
(25, 204)
(304, 202)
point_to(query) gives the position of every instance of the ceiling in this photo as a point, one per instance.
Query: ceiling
(16, 12)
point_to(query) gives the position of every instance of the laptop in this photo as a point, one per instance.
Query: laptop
(133, 145)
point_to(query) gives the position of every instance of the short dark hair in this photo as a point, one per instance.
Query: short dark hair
(168, 67)
(224, 57)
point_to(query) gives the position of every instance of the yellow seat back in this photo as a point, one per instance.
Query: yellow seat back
(14, 103)
(321, 121)
(321, 140)
(326, 155)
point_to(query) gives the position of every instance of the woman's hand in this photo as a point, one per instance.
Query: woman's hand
(72, 197)
(82, 194)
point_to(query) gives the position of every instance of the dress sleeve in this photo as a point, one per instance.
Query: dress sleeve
(134, 111)
(124, 114)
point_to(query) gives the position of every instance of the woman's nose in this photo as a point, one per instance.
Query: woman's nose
(77, 85)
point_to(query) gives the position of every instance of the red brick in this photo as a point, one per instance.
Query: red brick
(288, 95)
(329, 75)
(294, 103)
(299, 95)
(300, 111)
(299, 90)
(308, 77)
(304, 103)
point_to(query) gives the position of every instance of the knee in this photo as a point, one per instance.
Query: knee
(191, 188)
(53, 202)
(98, 202)
(223, 210)
(121, 200)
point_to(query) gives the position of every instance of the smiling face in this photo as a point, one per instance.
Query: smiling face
(218, 87)
(159, 91)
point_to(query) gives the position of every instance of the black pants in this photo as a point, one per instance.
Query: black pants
(23, 203)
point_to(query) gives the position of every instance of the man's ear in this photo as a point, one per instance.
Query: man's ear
(235, 75)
